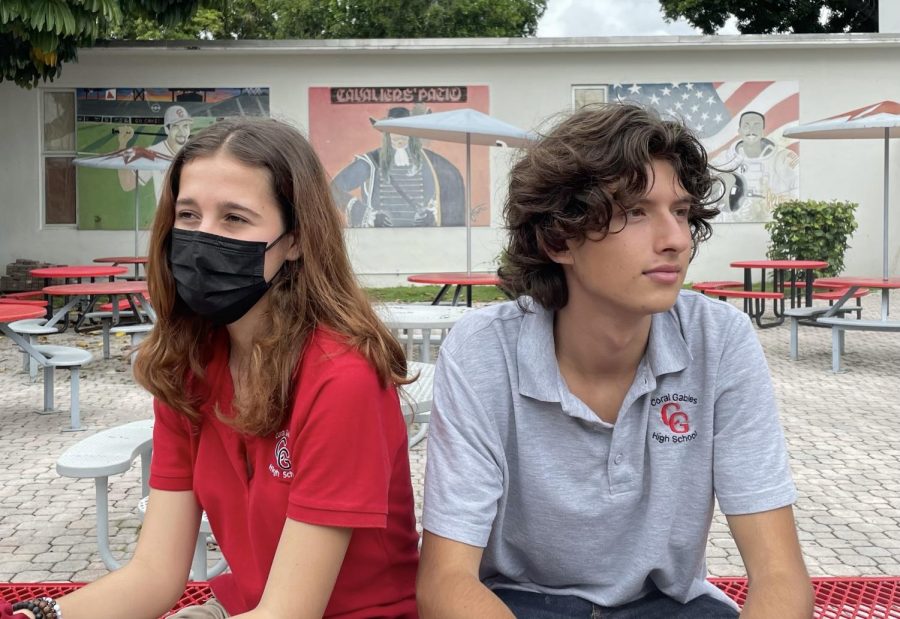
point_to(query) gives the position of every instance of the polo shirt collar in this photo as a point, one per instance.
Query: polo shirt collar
(539, 376)
(536, 355)
(667, 350)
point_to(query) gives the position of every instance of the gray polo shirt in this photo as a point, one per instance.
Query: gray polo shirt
(565, 503)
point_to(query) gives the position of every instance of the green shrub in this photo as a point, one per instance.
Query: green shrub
(812, 230)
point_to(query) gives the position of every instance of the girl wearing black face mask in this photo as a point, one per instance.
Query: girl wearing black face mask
(276, 408)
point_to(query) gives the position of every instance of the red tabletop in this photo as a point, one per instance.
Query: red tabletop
(78, 271)
(863, 282)
(119, 287)
(10, 312)
(123, 259)
(456, 279)
(780, 264)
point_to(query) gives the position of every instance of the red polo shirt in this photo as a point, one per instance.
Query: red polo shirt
(340, 460)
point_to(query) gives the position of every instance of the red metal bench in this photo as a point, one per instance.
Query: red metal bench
(754, 303)
(834, 294)
(864, 597)
(826, 294)
(723, 293)
(704, 286)
(30, 294)
(36, 302)
(108, 307)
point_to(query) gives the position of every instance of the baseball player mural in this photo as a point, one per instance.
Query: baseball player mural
(177, 124)
(150, 121)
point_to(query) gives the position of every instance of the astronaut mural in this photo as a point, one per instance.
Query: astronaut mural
(740, 125)
(384, 180)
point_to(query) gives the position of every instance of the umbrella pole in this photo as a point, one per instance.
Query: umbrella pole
(887, 180)
(885, 309)
(468, 204)
(137, 209)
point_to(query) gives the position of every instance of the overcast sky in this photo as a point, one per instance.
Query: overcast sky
(605, 18)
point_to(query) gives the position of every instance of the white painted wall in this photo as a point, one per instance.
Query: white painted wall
(889, 16)
(529, 80)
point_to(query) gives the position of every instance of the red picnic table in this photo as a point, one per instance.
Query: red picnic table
(460, 280)
(47, 356)
(76, 272)
(755, 301)
(10, 312)
(885, 284)
(194, 593)
(864, 597)
(780, 268)
(79, 272)
(834, 319)
(117, 260)
(87, 294)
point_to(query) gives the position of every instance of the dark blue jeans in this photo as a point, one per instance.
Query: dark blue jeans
(656, 605)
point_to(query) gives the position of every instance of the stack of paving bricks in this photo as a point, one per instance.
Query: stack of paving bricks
(18, 278)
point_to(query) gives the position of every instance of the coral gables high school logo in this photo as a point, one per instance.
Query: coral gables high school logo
(281, 465)
(674, 418)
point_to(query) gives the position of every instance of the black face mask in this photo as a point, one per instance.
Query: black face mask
(218, 278)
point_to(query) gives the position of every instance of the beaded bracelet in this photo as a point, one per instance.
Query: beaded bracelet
(29, 605)
(54, 607)
(41, 608)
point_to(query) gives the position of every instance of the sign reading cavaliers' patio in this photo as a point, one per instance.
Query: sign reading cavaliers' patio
(400, 94)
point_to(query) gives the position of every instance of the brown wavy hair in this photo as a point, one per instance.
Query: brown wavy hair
(576, 177)
(318, 289)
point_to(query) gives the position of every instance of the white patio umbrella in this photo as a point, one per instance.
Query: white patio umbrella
(464, 125)
(877, 121)
(138, 159)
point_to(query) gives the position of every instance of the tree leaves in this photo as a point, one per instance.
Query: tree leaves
(347, 19)
(38, 36)
(777, 16)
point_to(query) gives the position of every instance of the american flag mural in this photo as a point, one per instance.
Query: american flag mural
(740, 124)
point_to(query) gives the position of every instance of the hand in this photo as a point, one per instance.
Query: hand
(6, 611)
(125, 133)
(382, 220)
(424, 217)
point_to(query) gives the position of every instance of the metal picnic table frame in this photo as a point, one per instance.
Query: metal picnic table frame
(460, 280)
(133, 291)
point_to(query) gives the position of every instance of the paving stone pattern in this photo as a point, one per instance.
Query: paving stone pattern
(842, 431)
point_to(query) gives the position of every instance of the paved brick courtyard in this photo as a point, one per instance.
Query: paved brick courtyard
(842, 432)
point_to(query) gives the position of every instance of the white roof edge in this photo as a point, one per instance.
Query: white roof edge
(500, 45)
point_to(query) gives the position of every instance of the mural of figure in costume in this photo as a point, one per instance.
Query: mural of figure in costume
(400, 184)
(759, 173)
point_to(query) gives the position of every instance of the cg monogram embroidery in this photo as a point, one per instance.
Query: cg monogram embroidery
(281, 467)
